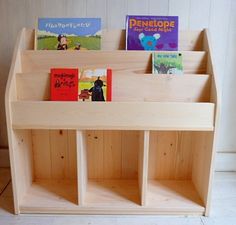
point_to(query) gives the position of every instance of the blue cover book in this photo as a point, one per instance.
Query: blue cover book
(68, 34)
(152, 33)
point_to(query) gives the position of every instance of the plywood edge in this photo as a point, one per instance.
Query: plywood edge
(216, 98)
(143, 164)
(112, 211)
(81, 166)
(10, 95)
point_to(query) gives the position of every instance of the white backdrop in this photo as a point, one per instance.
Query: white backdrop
(217, 15)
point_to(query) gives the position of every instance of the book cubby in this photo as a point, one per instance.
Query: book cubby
(149, 151)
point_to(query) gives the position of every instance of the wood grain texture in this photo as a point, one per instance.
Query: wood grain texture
(135, 116)
(170, 155)
(161, 88)
(131, 61)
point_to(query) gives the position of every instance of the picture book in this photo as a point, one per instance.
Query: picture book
(95, 85)
(167, 63)
(68, 34)
(64, 84)
(152, 33)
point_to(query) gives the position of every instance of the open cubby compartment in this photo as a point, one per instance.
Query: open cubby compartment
(46, 169)
(149, 151)
(111, 168)
(178, 170)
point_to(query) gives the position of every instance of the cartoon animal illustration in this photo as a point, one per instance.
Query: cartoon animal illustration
(62, 42)
(149, 42)
(163, 69)
(97, 92)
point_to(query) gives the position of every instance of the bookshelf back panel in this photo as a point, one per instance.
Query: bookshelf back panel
(170, 155)
(54, 154)
(112, 154)
(160, 88)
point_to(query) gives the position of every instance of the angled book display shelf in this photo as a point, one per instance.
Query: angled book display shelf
(149, 151)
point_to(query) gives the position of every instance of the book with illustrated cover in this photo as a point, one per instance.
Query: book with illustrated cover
(167, 63)
(64, 84)
(95, 85)
(68, 34)
(152, 33)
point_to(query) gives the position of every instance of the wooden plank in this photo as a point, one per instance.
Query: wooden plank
(82, 169)
(59, 153)
(71, 164)
(130, 151)
(174, 195)
(113, 115)
(112, 154)
(112, 193)
(170, 88)
(24, 165)
(162, 156)
(143, 166)
(184, 157)
(122, 61)
(41, 154)
(9, 96)
(206, 189)
(95, 154)
(170, 155)
(203, 147)
(114, 197)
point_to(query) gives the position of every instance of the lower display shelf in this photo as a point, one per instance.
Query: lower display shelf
(174, 196)
(112, 193)
(112, 197)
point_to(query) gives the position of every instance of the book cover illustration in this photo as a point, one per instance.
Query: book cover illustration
(68, 34)
(64, 84)
(152, 33)
(95, 84)
(167, 63)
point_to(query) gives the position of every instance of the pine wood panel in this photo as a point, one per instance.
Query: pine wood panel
(122, 61)
(112, 154)
(187, 88)
(41, 154)
(170, 155)
(54, 154)
(135, 115)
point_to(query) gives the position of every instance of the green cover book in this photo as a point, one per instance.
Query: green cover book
(167, 63)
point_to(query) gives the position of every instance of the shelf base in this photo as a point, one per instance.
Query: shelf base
(173, 196)
(112, 193)
(113, 197)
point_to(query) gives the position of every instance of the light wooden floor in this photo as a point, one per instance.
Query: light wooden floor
(223, 209)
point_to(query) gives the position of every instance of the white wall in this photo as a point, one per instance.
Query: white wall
(218, 15)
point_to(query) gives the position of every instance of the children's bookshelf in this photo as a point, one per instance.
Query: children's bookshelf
(149, 151)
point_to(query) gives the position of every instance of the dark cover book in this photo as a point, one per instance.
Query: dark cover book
(152, 33)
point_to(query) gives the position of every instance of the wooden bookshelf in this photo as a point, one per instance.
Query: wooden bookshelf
(149, 151)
